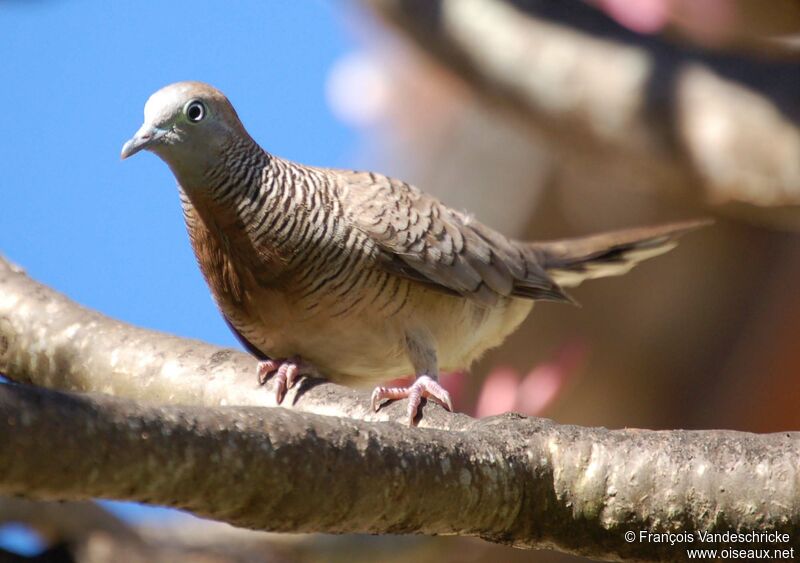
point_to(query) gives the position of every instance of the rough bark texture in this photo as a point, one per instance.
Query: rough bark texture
(687, 120)
(509, 479)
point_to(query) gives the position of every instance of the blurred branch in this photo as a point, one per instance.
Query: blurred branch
(682, 118)
(85, 532)
(65, 522)
(510, 479)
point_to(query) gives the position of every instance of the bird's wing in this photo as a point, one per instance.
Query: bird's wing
(420, 238)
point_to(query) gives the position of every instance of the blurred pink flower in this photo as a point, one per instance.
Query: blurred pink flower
(499, 392)
(706, 21)
(503, 391)
(642, 16)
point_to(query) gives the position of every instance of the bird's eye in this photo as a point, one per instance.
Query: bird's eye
(195, 111)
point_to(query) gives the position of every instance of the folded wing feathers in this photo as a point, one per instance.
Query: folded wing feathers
(424, 240)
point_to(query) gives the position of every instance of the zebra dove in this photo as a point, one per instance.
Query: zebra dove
(360, 276)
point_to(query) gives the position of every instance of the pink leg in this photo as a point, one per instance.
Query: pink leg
(424, 386)
(286, 373)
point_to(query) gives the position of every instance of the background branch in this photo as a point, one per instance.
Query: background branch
(510, 479)
(689, 120)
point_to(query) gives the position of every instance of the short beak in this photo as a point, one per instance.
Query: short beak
(145, 137)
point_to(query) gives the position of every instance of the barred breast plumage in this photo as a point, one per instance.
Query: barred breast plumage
(354, 274)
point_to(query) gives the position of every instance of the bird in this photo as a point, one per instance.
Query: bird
(356, 276)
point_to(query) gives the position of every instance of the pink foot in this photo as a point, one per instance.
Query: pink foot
(286, 373)
(424, 386)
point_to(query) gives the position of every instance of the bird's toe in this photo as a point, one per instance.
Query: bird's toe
(424, 387)
(285, 372)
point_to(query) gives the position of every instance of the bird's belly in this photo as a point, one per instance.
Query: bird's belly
(473, 329)
(366, 345)
(359, 348)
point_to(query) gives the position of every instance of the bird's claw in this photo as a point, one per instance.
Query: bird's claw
(286, 373)
(424, 386)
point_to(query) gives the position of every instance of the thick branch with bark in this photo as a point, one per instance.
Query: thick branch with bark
(723, 124)
(165, 438)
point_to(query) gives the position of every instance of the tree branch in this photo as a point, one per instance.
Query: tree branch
(686, 120)
(510, 479)
(48, 340)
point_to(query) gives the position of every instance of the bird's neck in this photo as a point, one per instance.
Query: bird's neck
(220, 184)
(253, 204)
(223, 191)
(215, 171)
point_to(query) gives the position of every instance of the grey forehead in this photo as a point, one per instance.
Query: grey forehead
(168, 101)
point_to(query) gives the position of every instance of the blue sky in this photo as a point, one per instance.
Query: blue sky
(76, 75)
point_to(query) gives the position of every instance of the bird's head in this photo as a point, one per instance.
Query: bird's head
(185, 123)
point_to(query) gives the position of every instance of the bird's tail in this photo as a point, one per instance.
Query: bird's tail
(571, 261)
